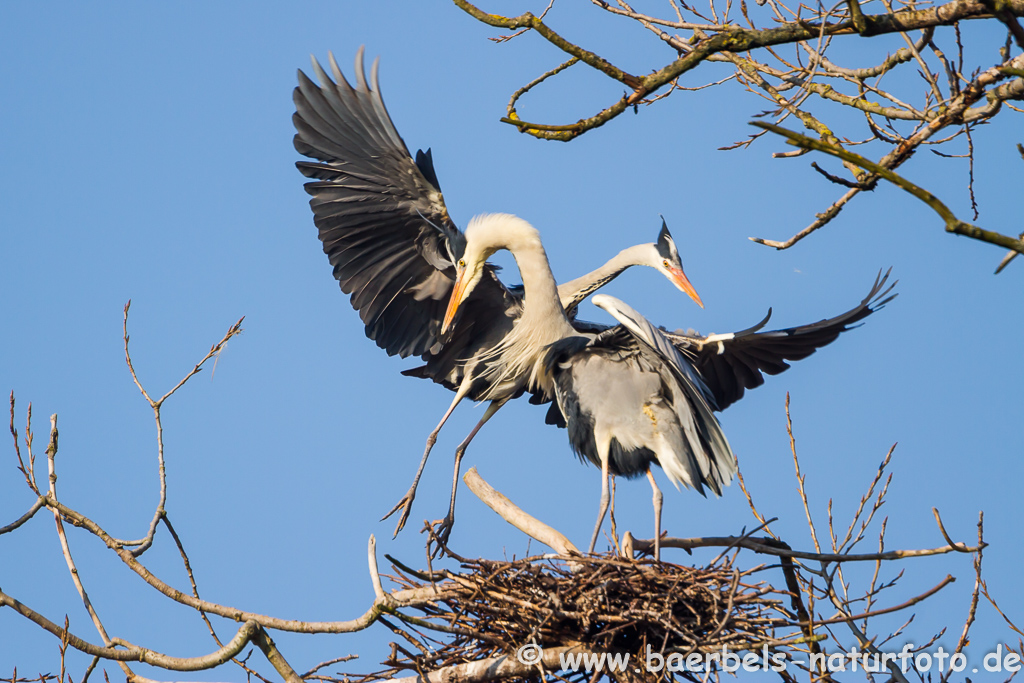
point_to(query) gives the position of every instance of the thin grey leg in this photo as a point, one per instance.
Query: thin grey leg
(449, 521)
(657, 515)
(405, 504)
(604, 502)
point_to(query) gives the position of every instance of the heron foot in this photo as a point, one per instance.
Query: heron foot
(405, 504)
(440, 530)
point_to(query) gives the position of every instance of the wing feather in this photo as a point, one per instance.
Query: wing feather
(380, 214)
(733, 363)
(704, 441)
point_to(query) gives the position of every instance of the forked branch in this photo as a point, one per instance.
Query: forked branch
(143, 544)
(953, 224)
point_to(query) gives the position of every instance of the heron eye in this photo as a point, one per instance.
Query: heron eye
(666, 263)
(462, 263)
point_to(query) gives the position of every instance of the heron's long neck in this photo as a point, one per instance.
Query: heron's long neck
(541, 301)
(575, 291)
(515, 362)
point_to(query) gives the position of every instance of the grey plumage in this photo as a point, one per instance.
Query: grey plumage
(629, 395)
(626, 393)
(384, 226)
(634, 395)
(729, 364)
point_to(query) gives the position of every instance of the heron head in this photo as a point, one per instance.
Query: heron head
(668, 263)
(468, 271)
(485, 235)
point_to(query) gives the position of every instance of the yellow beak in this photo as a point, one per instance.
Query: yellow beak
(455, 301)
(683, 283)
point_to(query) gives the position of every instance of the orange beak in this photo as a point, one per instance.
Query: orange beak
(683, 283)
(453, 303)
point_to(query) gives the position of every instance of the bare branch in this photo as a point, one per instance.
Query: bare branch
(36, 506)
(389, 604)
(728, 39)
(495, 668)
(132, 653)
(195, 592)
(51, 455)
(820, 221)
(953, 224)
(895, 608)
(27, 472)
(972, 610)
(143, 544)
(371, 552)
(508, 511)
(768, 546)
(265, 643)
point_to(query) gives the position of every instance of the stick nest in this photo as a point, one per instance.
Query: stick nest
(596, 604)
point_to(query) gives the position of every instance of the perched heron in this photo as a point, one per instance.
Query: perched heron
(631, 395)
(631, 399)
(385, 227)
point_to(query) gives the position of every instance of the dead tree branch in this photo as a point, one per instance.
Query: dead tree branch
(953, 224)
(768, 52)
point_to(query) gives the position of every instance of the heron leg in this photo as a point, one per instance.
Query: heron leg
(405, 504)
(657, 515)
(446, 524)
(611, 515)
(604, 502)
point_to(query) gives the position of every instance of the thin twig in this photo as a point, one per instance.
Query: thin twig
(953, 224)
(143, 544)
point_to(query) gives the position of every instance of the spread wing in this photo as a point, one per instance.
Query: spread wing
(732, 363)
(381, 216)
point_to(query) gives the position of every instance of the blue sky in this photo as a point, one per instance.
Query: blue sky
(147, 155)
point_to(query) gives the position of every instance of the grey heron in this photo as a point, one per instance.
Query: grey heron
(631, 395)
(387, 232)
